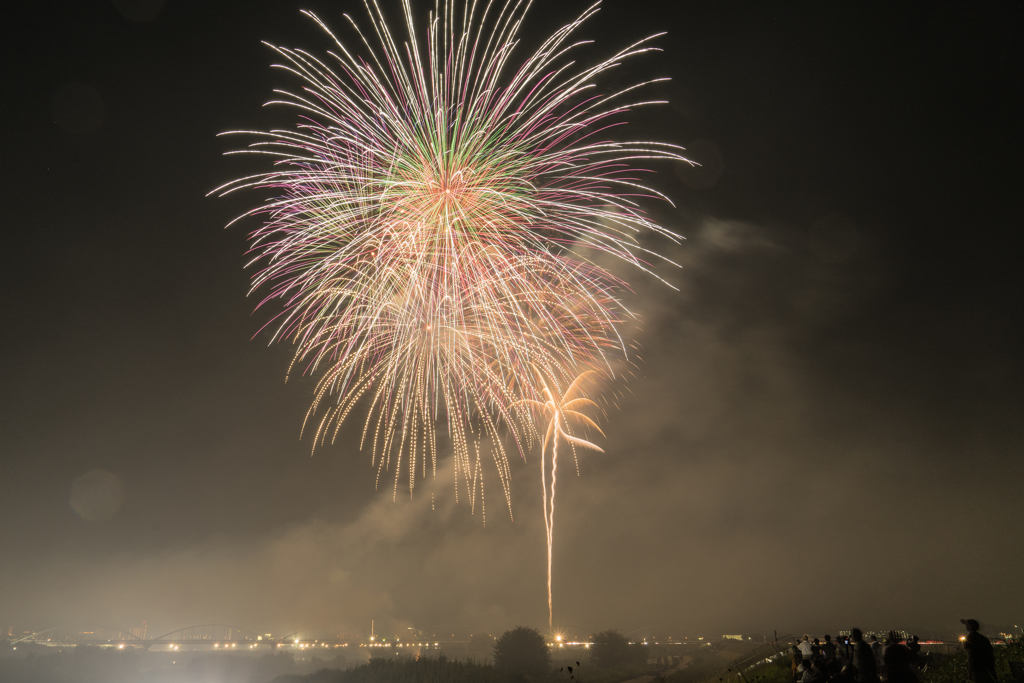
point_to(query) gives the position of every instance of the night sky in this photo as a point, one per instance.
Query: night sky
(825, 430)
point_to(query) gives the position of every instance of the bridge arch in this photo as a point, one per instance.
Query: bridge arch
(208, 633)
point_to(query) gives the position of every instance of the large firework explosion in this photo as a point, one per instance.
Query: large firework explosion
(431, 238)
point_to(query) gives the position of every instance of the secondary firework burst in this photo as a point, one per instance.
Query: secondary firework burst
(433, 229)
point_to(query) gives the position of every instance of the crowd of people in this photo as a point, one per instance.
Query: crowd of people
(852, 659)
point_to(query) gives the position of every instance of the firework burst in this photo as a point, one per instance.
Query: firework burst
(432, 229)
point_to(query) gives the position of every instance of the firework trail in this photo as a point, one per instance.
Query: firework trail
(429, 240)
(559, 411)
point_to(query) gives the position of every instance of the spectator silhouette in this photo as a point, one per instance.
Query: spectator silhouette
(876, 650)
(915, 648)
(863, 658)
(845, 675)
(981, 663)
(805, 647)
(828, 649)
(813, 673)
(897, 659)
(843, 652)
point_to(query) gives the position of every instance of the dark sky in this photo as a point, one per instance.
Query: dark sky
(825, 430)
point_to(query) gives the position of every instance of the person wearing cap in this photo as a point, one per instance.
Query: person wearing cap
(981, 662)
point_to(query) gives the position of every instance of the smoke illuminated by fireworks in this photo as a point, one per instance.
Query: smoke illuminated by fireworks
(432, 233)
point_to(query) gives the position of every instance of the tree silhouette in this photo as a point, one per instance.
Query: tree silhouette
(610, 649)
(522, 650)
